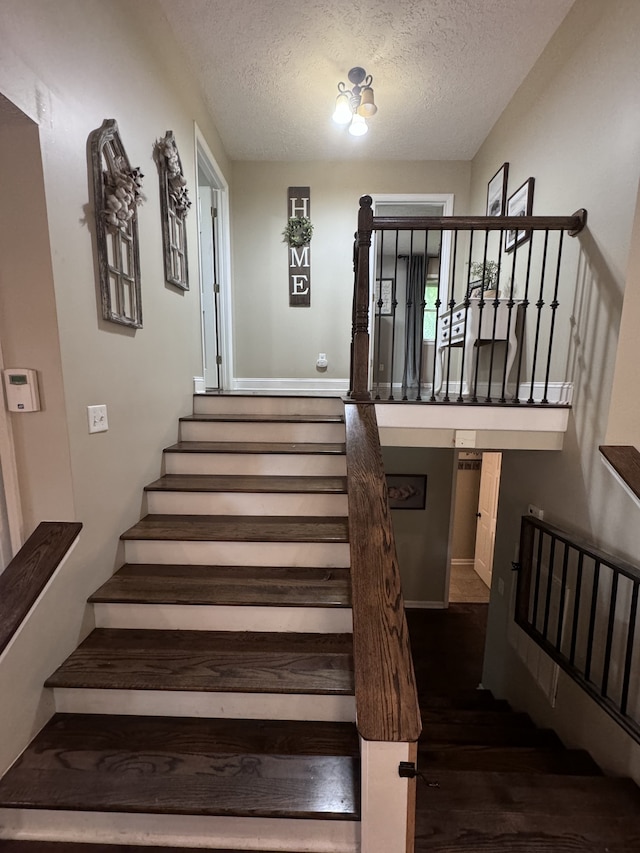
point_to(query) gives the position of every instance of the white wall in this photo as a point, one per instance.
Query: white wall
(575, 126)
(271, 339)
(69, 65)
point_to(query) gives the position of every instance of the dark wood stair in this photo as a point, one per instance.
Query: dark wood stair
(232, 528)
(271, 447)
(215, 767)
(294, 586)
(489, 779)
(248, 483)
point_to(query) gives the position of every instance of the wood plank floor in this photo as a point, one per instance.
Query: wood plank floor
(224, 661)
(189, 766)
(247, 585)
(233, 528)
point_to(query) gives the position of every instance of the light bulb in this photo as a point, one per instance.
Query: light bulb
(358, 126)
(342, 113)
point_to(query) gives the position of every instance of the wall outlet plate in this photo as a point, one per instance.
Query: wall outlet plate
(97, 417)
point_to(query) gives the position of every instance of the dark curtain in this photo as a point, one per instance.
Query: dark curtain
(413, 325)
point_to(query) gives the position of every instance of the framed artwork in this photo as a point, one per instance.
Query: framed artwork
(384, 296)
(117, 194)
(407, 491)
(497, 192)
(174, 206)
(519, 204)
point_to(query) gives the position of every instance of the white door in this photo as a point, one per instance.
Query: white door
(209, 284)
(487, 515)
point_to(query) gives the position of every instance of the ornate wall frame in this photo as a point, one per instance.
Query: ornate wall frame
(117, 194)
(174, 206)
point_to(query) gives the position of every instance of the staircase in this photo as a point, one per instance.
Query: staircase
(213, 705)
(491, 780)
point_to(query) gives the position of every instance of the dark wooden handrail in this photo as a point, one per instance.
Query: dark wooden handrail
(386, 698)
(30, 570)
(625, 461)
(368, 223)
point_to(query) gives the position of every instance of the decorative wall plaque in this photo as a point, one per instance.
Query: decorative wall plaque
(297, 235)
(174, 206)
(117, 194)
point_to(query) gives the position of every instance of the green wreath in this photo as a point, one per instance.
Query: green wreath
(298, 232)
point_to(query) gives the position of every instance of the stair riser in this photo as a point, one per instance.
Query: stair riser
(273, 405)
(276, 834)
(272, 464)
(245, 503)
(188, 617)
(183, 703)
(321, 554)
(240, 431)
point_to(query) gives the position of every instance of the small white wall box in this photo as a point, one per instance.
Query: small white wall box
(21, 387)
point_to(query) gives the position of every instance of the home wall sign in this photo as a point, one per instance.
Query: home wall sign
(174, 206)
(117, 194)
(297, 235)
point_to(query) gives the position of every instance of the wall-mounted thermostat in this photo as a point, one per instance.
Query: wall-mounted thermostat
(21, 387)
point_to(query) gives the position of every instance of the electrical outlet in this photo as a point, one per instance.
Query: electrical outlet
(97, 416)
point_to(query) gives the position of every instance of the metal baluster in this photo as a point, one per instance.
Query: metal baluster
(554, 308)
(408, 305)
(435, 342)
(563, 593)
(576, 610)
(539, 306)
(633, 615)
(378, 317)
(610, 627)
(467, 303)
(510, 306)
(525, 305)
(422, 307)
(592, 619)
(394, 305)
(547, 603)
(536, 590)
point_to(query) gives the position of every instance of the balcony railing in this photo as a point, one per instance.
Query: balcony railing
(580, 605)
(461, 309)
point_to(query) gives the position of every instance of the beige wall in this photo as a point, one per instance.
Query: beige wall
(69, 65)
(271, 339)
(574, 125)
(422, 536)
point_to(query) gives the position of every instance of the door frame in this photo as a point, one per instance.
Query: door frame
(205, 160)
(9, 483)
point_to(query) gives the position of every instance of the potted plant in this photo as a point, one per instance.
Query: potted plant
(485, 274)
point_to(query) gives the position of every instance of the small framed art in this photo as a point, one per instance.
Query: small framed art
(497, 192)
(407, 491)
(519, 204)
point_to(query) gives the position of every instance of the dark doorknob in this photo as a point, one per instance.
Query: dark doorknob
(478, 515)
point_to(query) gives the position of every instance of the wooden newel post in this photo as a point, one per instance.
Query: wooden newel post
(360, 341)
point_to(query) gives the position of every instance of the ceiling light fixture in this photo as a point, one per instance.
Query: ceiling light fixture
(355, 105)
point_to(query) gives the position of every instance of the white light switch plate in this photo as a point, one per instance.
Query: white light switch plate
(97, 416)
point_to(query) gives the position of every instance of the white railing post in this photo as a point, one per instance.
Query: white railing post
(388, 800)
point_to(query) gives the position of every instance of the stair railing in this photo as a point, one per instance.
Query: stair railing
(28, 573)
(580, 605)
(387, 710)
(513, 302)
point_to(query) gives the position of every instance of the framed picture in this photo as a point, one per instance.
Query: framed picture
(384, 296)
(407, 491)
(497, 191)
(519, 204)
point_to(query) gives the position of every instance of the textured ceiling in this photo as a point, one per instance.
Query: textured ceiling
(443, 71)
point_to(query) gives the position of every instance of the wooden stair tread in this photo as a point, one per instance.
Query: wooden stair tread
(534, 792)
(287, 447)
(525, 759)
(16, 846)
(210, 661)
(473, 717)
(248, 483)
(161, 765)
(242, 417)
(438, 734)
(518, 832)
(463, 700)
(227, 585)
(234, 528)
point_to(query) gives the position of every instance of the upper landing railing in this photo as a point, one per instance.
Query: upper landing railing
(462, 309)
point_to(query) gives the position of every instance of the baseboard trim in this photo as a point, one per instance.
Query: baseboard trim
(463, 563)
(199, 386)
(335, 387)
(425, 605)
